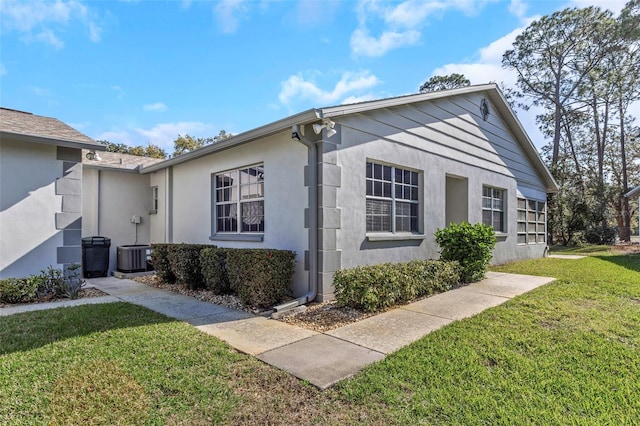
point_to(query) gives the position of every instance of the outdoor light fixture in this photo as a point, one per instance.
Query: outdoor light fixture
(326, 124)
(92, 155)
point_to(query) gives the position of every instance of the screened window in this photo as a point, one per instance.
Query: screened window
(239, 200)
(392, 199)
(532, 222)
(493, 203)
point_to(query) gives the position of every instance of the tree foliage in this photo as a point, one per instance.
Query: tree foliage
(440, 82)
(581, 67)
(188, 143)
(149, 150)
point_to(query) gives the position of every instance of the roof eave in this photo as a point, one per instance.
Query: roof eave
(633, 193)
(242, 138)
(21, 137)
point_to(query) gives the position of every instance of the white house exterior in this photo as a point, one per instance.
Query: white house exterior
(117, 201)
(361, 184)
(40, 193)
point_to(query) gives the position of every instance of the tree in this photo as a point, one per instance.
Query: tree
(553, 57)
(149, 150)
(188, 143)
(439, 82)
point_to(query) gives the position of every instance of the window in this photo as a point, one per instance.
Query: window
(493, 208)
(531, 222)
(239, 200)
(392, 199)
(154, 200)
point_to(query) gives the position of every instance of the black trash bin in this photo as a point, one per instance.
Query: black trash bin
(95, 256)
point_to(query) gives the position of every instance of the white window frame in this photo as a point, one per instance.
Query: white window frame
(532, 223)
(492, 202)
(245, 193)
(392, 198)
(154, 200)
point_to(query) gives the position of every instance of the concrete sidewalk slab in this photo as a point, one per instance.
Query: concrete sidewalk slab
(10, 310)
(456, 304)
(566, 256)
(507, 285)
(256, 335)
(390, 331)
(321, 360)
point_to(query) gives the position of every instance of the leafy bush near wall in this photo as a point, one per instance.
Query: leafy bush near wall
(18, 290)
(470, 245)
(50, 283)
(184, 260)
(261, 277)
(376, 287)
(213, 264)
(161, 264)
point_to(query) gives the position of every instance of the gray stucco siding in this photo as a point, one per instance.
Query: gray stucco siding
(439, 139)
(285, 198)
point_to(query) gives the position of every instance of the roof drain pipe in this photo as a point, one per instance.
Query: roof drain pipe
(297, 135)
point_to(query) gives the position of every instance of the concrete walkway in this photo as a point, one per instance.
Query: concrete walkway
(322, 359)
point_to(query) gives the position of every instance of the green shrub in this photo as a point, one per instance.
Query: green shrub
(51, 282)
(160, 261)
(213, 264)
(261, 277)
(184, 260)
(376, 287)
(18, 290)
(470, 245)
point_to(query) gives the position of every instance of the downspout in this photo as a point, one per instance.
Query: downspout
(98, 203)
(297, 135)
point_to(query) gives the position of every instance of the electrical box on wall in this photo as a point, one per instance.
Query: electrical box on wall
(136, 219)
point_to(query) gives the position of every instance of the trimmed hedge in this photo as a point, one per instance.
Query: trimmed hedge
(261, 277)
(470, 245)
(160, 261)
(213, 264)
(184, 260)
(376, 287)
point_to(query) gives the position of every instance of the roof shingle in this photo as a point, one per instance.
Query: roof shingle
(27, 124)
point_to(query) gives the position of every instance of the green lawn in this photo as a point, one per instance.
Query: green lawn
(566, 353)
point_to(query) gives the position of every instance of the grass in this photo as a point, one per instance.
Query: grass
(565, 353)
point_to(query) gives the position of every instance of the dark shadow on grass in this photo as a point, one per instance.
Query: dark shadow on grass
(628, 261)
(30, 330)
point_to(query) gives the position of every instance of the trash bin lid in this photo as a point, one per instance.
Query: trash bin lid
(96, 242)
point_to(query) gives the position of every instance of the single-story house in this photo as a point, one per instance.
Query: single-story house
(360, 184)
(116, 199)
(40, 193)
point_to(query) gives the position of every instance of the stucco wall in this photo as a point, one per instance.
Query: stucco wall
(284, 203)
(445, 137)
(29, 239)
(110, 199)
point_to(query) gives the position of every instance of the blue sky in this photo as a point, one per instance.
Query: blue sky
(140, 72)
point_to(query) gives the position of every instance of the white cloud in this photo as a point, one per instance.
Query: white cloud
(119, 92)
(399, 25)
(297, 87)
(40, 91)
(162, 134)
(49, 37)
(157, 106)
(518, 8)
(38, 20)
(227, 12)
(364, 44)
